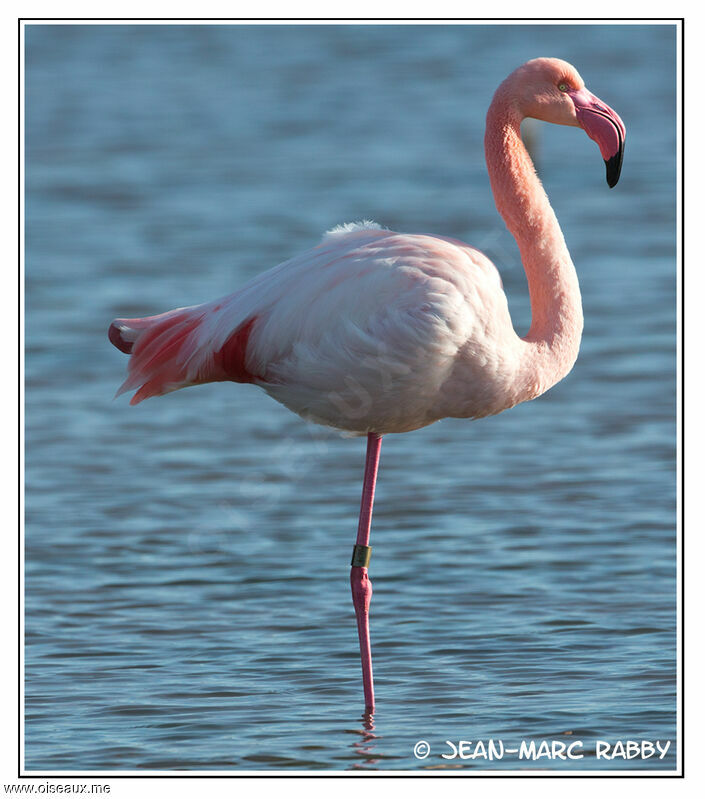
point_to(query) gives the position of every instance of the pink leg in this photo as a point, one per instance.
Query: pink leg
(359, 580)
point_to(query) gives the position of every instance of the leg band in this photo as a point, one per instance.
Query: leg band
(361, 555)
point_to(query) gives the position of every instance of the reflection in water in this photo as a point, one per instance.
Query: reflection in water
(365, 748)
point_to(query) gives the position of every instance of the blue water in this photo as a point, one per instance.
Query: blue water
(187, 596)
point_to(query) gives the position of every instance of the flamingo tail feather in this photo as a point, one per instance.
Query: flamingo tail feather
(175, 349)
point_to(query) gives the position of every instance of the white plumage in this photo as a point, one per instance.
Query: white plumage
(371, 330)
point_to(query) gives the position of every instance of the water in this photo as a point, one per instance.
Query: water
(187, 597)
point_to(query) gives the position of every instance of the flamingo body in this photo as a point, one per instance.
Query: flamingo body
(369, 331)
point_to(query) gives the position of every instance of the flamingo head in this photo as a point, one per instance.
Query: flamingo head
(552, 90)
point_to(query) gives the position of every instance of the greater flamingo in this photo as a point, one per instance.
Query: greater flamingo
(376, 332)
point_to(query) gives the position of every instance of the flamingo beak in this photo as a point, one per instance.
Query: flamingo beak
(604, 126)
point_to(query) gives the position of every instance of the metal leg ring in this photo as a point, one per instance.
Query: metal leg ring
(361, 555)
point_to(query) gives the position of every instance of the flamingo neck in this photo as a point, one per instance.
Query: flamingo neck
(556, 312)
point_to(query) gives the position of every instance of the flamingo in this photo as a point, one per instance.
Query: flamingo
(375, 332)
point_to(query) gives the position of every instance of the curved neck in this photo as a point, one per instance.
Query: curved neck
(556, 312)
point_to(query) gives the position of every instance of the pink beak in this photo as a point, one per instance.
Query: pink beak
(604, 126)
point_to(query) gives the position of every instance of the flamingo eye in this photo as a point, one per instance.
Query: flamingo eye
(563, 87)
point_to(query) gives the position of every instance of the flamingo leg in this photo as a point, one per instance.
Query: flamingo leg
(359, 579)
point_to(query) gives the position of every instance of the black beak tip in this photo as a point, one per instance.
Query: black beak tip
(614, 168)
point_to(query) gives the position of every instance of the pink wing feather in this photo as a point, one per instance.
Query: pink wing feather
(209, 342)
(163, 350)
